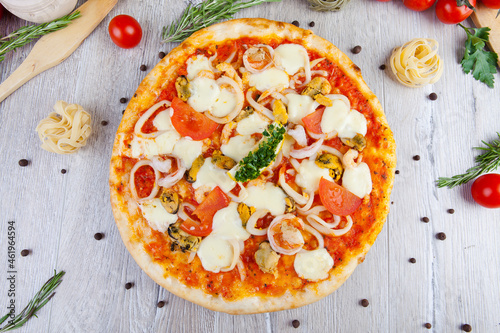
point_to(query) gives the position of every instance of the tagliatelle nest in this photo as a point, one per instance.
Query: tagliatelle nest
(416, 63)
(66, 130)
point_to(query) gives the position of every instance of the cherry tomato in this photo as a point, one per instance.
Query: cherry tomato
(448, 12)
(125, 31)
(313, 121)
(214, 201)
(494, 4)
(336, 199)
(189, 122)
(486, 190)
(418, 5)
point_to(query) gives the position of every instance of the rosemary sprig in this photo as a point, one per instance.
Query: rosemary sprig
(204, 14)
(487, 162)
(38, 301)
(26, 34)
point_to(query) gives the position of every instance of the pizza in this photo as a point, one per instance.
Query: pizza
(252, 169)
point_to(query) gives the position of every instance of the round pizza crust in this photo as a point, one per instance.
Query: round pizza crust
(147, 93)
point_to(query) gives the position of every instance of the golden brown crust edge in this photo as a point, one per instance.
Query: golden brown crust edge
(146, 95)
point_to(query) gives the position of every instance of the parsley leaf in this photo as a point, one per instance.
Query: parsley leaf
(252, 165)
(481, 63)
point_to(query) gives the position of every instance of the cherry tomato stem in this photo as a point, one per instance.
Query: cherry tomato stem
(448, 12)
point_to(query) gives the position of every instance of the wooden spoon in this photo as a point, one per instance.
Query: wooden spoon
(54, 48)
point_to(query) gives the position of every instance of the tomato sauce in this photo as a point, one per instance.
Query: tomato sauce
(148, 126)
(144, 181)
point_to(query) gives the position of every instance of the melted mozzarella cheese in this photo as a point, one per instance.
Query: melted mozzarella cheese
(292, 56)
(211, 176)
(313, 265)
(309, 175)
(346, 122)
(238, 147)
(162, 121)
(143, 147)
(355, 123)
(188, 150)
(358, 180)
(300, 106)
(197, 64)
(165, 142)
(254, 123)
(162, 144)
(204, 93)
(227, 224)
(158, 218)
(224, 104)
(268, 197)
(269, 78)
(215, 253)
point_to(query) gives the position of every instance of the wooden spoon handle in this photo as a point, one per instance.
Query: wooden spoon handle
(54, 48)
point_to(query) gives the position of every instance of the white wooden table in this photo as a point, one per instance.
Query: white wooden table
(453, 282)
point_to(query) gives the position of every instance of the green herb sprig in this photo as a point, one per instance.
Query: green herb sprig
(26, 34)
(465, 3)
(486, 162)
(204, 14)
(38, 301)
(483, 64)
(252, 165)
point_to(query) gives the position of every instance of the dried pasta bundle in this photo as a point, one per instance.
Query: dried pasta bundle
(416, 63)
(66, 130)
(328, 5)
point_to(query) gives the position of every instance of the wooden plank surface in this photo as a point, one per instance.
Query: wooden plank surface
(453, 282)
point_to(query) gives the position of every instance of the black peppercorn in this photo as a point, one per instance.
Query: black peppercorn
(466, 328)
(356, 49)
(441, 236)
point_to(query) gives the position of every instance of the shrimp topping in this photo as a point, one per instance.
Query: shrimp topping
(285, 235)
